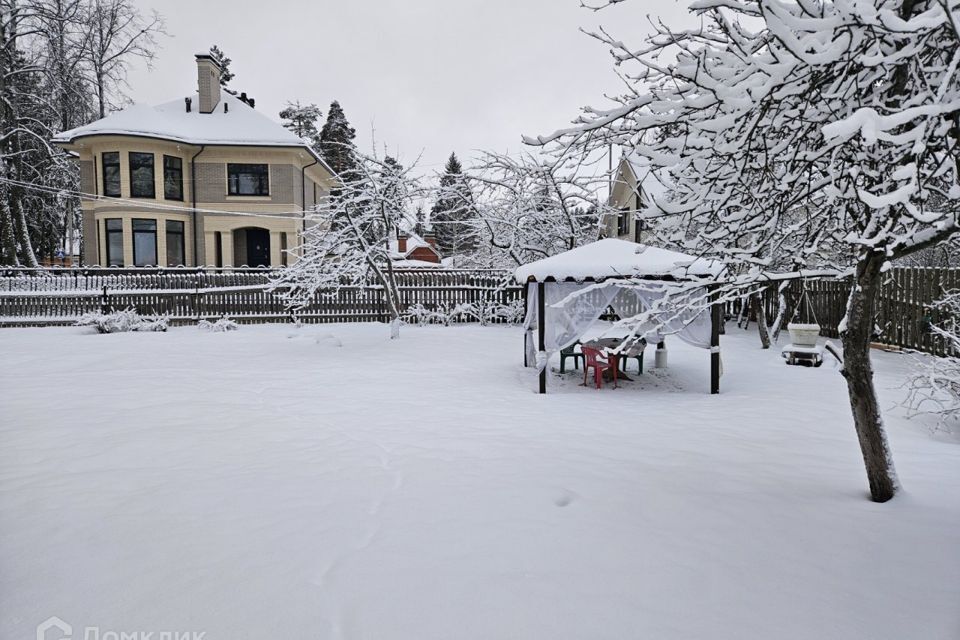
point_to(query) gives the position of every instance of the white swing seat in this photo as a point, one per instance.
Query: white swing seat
(803, 354)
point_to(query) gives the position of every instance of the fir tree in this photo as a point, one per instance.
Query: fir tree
(336, 143)
(225, 74)
(421, 224)
(302, 120)
(453, 212)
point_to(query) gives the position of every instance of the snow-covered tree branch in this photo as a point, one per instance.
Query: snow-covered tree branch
(533, 207)
(347, 241)
(934, 386)
(799, 135)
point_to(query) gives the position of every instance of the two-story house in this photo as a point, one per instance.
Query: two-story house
(635, 187)
(203, 180)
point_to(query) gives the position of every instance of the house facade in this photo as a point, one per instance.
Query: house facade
(204, 180)
(634, 188)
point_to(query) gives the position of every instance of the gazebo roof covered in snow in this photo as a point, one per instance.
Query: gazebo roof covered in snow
(612, 258)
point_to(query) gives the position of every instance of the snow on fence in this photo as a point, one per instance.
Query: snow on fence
(39, 297)
(904, 310)
(31, 297)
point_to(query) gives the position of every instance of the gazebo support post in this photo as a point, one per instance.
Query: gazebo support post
(716, 320)
(526, 332)
(542, 332)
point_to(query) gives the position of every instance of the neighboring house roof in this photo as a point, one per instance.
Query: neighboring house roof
(654, 182)
(414, 242)
(612, 258)
(240, 125)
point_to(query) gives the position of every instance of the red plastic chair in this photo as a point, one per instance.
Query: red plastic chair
(600, 363)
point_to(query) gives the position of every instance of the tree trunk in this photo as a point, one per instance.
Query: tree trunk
(8, 243)
(15, 201)
(101, 95)
(858, 371)
(788, 309)
(760, 312)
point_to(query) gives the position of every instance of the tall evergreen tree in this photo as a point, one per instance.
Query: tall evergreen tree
(302, 119)
(225, 74)
(453, 213)
(336, 143)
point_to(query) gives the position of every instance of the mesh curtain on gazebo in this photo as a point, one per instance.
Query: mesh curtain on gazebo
(571, 308)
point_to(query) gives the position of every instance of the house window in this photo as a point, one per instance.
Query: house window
(172, 178)
(283, 249)
(144, 242)
(175, 244)
(114, 242)
(248, 180)
(623, 222)
(111, 174)
(141, 176)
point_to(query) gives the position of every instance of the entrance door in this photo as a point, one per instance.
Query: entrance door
(258, 247)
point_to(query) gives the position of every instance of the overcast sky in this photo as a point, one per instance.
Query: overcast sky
(429, 75)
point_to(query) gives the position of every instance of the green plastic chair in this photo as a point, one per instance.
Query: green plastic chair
(623, 360)
(568, 352)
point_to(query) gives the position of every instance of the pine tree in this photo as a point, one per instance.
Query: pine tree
(225, 74)
(336, 143)
(302, 120)
(421, 223)
(453, 213)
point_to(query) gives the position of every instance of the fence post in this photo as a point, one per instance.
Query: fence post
(104, 307)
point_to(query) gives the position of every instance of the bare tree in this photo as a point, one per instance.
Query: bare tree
(348, 241)
(118, 35)
(802, 131)
(532, 207)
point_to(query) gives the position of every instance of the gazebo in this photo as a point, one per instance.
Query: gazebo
(567, 293)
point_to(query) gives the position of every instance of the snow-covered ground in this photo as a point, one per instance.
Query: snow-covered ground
(327, 482)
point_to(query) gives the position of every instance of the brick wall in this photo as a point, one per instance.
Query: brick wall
(88, 180)
(212, 183)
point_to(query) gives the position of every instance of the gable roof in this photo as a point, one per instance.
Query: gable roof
(613, 258)
(414, 242)
(654, 182)
(240, 125)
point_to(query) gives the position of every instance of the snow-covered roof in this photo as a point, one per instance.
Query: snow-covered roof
(413, 242)
(654, 182)
(612, 258)
(240, 125)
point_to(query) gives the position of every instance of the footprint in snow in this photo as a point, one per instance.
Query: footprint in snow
(329, 339)
(564, 499)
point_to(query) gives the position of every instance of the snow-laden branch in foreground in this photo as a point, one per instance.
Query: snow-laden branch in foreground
(797, 136)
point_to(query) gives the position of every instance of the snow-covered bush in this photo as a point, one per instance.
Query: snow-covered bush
(484, 312)
(222, 325)
(122, 321)
(421, 315)
(934, 384)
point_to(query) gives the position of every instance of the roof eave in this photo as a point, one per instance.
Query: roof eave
(211, 143)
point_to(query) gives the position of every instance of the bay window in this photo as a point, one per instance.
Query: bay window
(141, 175)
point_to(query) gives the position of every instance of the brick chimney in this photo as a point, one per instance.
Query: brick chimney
(208, 83)
(402, 242)
(431, 238)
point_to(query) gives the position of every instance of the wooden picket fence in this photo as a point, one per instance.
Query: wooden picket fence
(49, 298)
(31, 297)
(904, 308)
